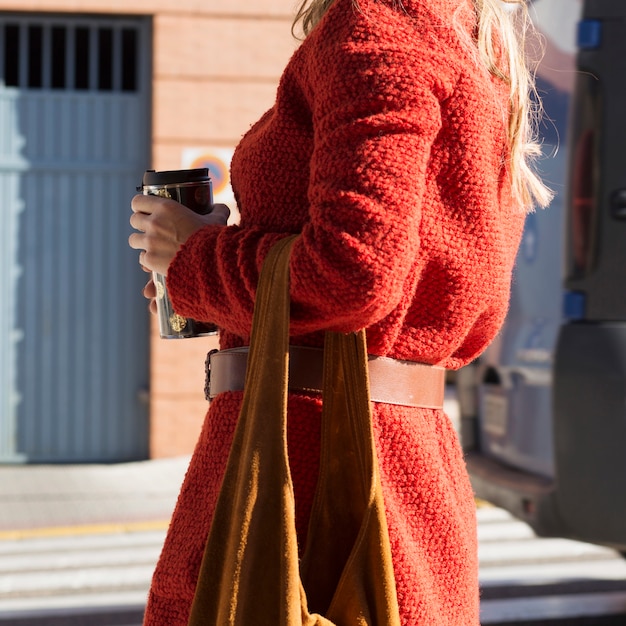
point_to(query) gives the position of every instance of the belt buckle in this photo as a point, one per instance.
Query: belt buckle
(207, 371)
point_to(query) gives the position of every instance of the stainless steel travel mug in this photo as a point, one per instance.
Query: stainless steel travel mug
(193, 189)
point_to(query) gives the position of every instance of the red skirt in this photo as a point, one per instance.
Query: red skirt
(428, 499)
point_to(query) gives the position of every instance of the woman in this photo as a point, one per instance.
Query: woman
(398, 149)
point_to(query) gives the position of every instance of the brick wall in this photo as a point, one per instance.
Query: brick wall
(215, 69)
(215, 74)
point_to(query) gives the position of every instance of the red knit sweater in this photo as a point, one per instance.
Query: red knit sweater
(386, 150)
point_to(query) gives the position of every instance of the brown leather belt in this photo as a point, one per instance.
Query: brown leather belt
(392, 381)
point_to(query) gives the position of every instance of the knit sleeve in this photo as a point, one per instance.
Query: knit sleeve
(376, 113)
(374, 91)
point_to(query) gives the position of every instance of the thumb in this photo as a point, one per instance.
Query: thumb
(219, 214)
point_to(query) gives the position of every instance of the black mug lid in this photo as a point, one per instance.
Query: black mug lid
(175, 177)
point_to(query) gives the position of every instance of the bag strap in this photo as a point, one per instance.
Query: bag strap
(250, 572)
(256, 499)
(347, 569)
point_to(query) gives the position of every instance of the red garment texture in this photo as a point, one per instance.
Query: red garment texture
(386, 150)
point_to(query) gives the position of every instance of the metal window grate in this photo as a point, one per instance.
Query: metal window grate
(85, 55)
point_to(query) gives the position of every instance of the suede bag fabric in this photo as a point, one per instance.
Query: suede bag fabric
(251, 572)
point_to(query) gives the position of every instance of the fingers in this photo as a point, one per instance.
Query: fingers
(150, 292)
(142, 242)
(218, 216)
(138, 241)
(139, 221)
(220, 210)
(163, 225)
(145, 204)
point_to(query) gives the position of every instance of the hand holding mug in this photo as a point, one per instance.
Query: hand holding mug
(173, 206)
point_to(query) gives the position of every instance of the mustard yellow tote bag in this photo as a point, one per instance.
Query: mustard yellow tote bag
(251, 574)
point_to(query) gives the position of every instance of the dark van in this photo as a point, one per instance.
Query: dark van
(544, 410)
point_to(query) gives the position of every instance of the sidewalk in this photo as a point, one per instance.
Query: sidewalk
(48, 500)
(58, 499)
(79, 540)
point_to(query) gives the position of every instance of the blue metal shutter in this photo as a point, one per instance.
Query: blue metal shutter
(74, 330)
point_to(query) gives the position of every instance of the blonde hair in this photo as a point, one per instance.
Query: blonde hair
(500, 39)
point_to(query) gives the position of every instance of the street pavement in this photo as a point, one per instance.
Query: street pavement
(39, 497)
(75, 572)
(84, 539)
(81, 537)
